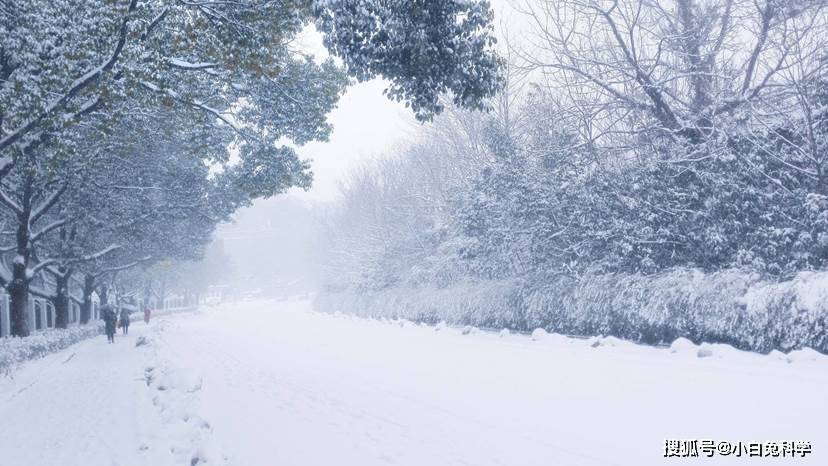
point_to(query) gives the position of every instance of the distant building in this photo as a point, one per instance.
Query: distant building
(216, 294)
(41, 310)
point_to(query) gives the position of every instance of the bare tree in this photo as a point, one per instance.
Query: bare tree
(695, 70)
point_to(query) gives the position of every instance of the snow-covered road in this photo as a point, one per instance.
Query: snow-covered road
(273, 383)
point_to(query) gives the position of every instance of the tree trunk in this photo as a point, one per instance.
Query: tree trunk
(19, 301)
(104, 294)
(61, 300)
(88, 289)
(19, 286)
(162, 294)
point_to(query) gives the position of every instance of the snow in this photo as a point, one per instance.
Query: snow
(705, 351)
(191, 66)
(275, 383)
(682, 345)
(539, 334)
(85, 405)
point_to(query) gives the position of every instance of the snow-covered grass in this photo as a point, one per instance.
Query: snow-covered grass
(14, 351)
(732, 306)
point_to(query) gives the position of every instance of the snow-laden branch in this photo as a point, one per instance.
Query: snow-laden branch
(56, 272)
(183, 64)
(47, 204)
(9, 202)
(50, 227)
(6, 165)
(218, 114)
(101, 253)
(40, 266)
(77, 86)
(119, 268)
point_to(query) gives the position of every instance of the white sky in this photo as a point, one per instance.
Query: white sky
(366, 125)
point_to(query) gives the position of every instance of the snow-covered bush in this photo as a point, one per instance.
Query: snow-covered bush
(492, 304)
(14, 351)
(733, 306)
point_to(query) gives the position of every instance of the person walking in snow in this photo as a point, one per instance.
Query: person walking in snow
(147, 313)
(109, 318)
(125, 321)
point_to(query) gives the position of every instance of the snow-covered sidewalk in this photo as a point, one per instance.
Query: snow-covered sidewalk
(274, 383)
(85, 405)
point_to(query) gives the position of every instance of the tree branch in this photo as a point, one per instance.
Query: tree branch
(56, 224)
(47, 204)
(77, 86)
(9, 202)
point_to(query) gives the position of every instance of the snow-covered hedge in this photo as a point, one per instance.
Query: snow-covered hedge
(14, 351)
(731, 306)
(494, 304)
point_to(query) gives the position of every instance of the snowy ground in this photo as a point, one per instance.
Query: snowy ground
(273, 383)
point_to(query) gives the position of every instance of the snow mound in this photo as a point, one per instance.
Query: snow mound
(539, 334)
(504, 333)
(682, 345)
(440, 326)
(468, 329)
(804, 355)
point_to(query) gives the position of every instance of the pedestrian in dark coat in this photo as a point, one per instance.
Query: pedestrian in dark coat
(109, 318)
(125, 321)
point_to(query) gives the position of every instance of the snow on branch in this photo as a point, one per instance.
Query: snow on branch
(57, 272)
(9, 202)
(47, 204)
(126, 266)
(6, 164)
(178, 63)
(218, 114)
(77, 86)
(40, 266)
(101, 253)
(52, 226)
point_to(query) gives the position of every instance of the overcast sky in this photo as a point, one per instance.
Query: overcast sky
(366, 125)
